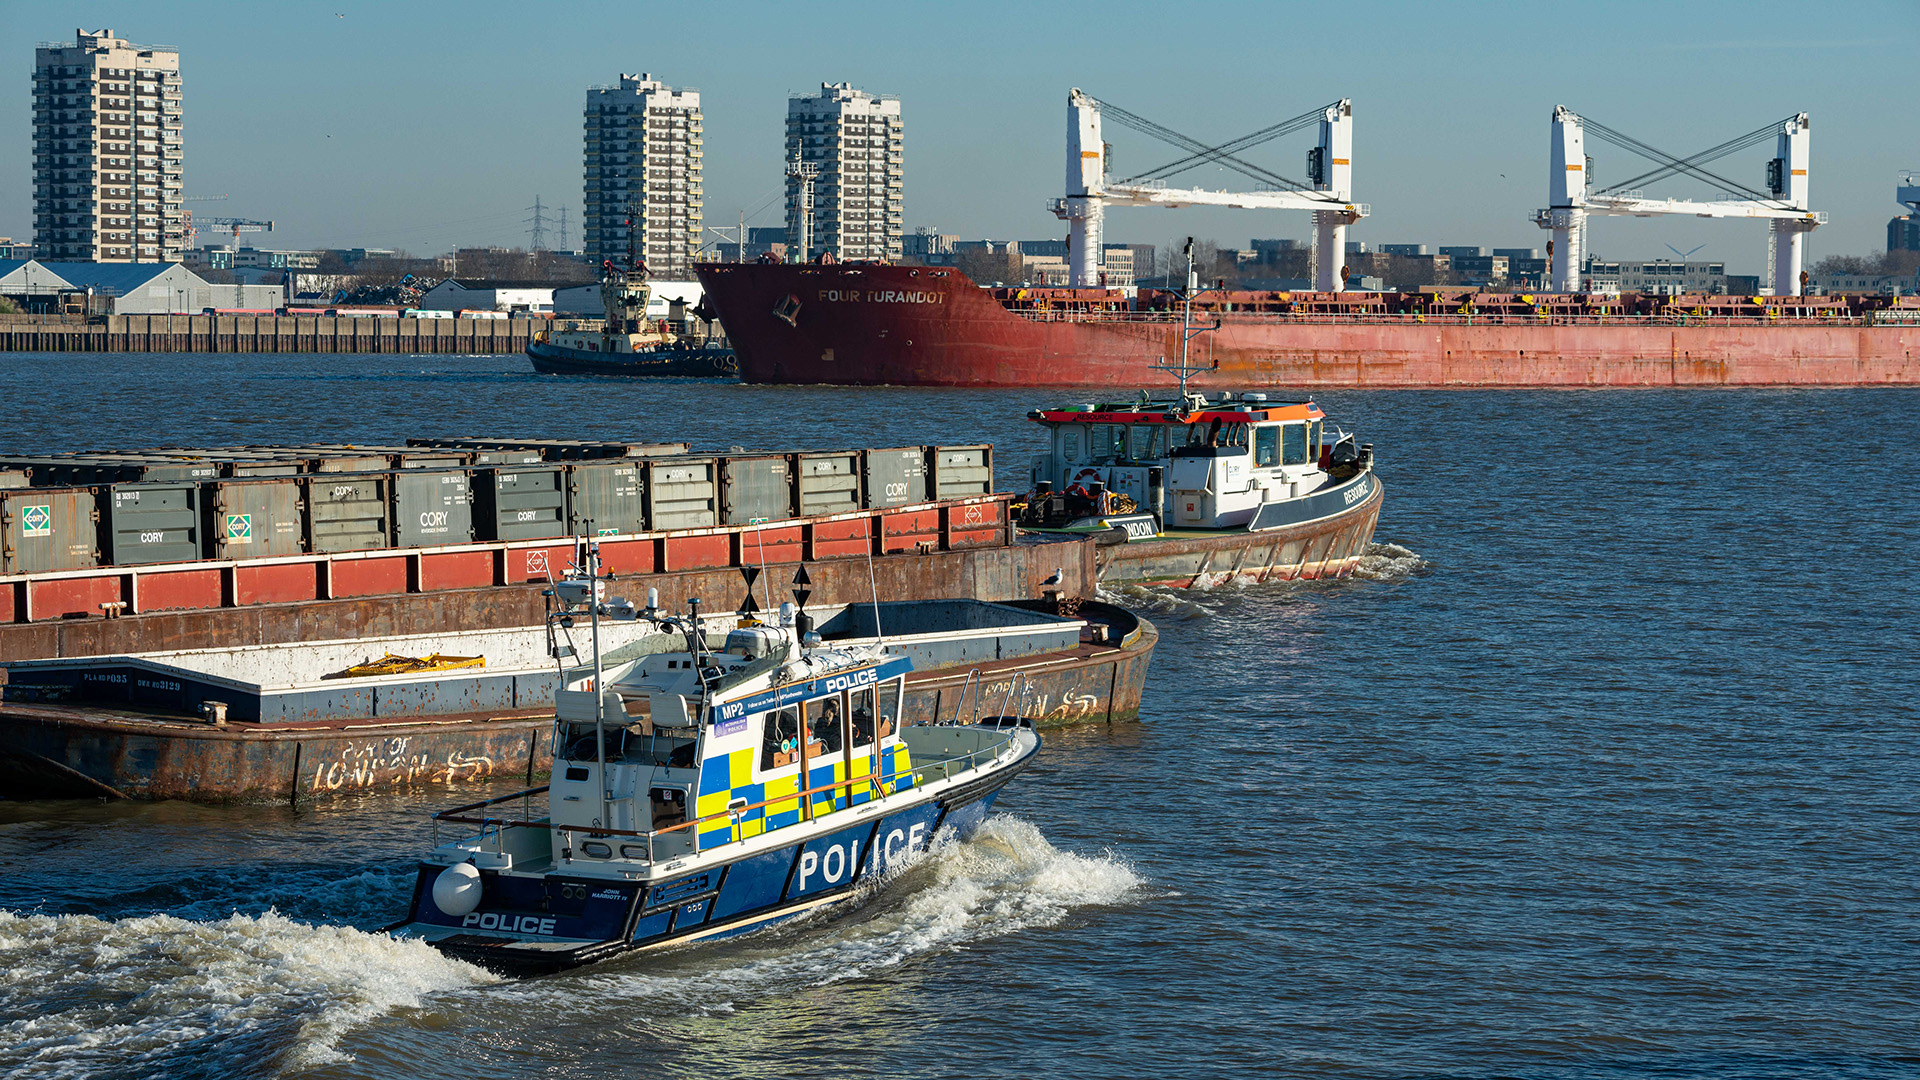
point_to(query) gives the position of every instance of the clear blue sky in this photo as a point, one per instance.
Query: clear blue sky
(422, 125)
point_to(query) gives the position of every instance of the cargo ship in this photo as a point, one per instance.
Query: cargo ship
(865, 324)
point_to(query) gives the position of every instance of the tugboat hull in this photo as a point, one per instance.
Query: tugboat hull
(551, 359)
(1316, 540)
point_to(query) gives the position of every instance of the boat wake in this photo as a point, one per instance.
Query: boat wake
(1006, 877)
(1389, 562)
(1382, 562)
(162, 996)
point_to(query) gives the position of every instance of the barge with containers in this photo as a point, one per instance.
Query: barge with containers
(875, 324)
(130, 554)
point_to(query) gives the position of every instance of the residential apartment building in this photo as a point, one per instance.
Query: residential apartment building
(644, 152)
(1663, 277)
(106, 151)
(852, 141)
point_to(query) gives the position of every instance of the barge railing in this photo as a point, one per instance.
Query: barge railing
(1550, 318)
(138, 589)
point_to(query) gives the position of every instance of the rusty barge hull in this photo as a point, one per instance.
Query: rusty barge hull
(56, 751)
(925, 326)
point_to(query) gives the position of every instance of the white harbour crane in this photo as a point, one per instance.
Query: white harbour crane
(1783, 205)
(1328, 193)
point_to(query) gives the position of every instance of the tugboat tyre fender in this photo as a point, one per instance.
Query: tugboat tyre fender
(457, 890)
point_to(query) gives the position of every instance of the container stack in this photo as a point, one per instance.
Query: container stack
(123, 508)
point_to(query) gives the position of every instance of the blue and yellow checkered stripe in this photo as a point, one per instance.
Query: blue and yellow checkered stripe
(729, 779)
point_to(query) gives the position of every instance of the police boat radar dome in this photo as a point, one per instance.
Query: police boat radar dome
(711, 776)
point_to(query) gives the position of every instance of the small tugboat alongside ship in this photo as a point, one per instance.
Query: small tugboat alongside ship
(626, 344)
(706, 784)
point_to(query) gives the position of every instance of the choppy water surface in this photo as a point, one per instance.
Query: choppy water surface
(1605, 766)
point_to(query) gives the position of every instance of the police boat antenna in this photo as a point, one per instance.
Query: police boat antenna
(599, 678)
(873, 590)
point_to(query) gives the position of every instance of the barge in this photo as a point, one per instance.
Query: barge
(869, 324)
(290, 721)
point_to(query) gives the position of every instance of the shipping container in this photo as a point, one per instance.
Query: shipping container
(507, 457)
(15, 478)
(344, 462)
(895, 476)
(827, 482)
(682, 493)
(151, 523)
(606, 498)
(561, 449)
(258, 467)
(431, 507)
(755, 488)
(92, 469)
(520, 502)
(255, 518)
(959, 472)
(348, 512)
(393, 457)
(47, 529)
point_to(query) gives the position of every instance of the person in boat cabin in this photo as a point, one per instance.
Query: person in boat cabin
(862, 717)
(826, 723)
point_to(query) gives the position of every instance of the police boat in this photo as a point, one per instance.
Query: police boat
(706, 782)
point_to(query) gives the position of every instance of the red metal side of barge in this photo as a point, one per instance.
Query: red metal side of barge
(861, 324)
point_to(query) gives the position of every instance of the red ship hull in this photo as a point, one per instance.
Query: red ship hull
(860, 324)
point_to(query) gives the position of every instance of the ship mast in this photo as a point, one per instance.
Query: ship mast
(1186, 370)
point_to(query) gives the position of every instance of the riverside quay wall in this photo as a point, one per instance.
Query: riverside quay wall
(266, 334)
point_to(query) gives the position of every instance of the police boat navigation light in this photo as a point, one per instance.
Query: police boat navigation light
(707, 781)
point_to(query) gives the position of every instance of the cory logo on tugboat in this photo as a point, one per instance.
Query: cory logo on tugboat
(512, 924)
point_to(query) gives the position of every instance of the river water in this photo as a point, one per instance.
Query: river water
(1604, 766)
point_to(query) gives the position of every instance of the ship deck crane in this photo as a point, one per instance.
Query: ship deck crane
(1328, 194)
(1783, 205)
(233, 226)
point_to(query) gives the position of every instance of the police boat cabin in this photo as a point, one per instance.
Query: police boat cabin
(1185, 485)
(705, 783)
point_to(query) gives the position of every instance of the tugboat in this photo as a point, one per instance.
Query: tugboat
(704, 784)
(627, 343)
(1194, 492)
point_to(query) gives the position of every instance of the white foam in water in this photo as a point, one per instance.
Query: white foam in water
(1389, 562)
(165, 996)
(1382, 562)
(1003, 879)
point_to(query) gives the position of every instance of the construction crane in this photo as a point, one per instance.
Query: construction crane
(1328, 192)
(233, 226)
(1783, 205)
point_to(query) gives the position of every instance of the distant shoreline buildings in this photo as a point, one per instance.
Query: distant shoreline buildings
(107, 156)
